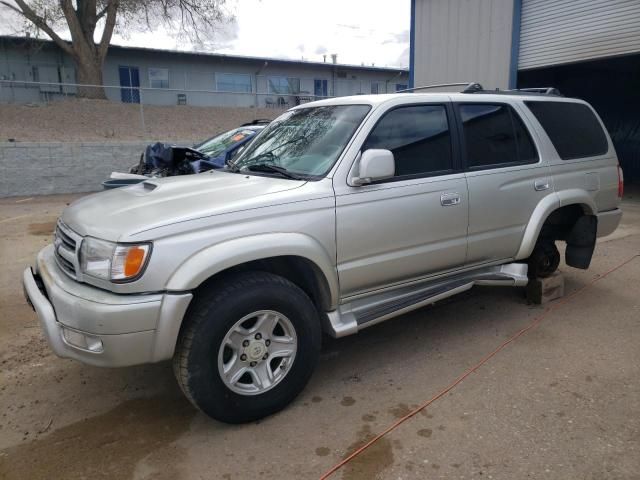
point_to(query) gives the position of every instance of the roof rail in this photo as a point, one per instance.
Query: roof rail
(439, 85)
(545, 90)
(516, 91)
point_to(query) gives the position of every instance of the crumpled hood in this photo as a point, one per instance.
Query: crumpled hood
(116, 214)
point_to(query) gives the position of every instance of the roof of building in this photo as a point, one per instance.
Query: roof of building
(12, 38)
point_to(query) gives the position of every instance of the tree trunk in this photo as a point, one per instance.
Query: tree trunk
(89, 71)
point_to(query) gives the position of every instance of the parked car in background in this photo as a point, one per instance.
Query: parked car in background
(342, 214)
(165, 160)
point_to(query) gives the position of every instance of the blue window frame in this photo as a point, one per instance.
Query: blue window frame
(320, 88)
(233, 82)
(401, 86)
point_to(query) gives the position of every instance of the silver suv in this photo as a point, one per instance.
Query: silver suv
(341, 214)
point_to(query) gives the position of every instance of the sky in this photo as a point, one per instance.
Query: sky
(358, 31)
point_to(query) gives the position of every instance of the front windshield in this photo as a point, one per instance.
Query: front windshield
(304, 142)
(220, 144)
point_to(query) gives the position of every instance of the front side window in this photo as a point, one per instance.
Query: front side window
(159, 77)
(419, 138)
(233, 82)
(572, 128)
(302, 143)
(284, 85)
(494, 135)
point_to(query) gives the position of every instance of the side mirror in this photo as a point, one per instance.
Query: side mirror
(375, 164)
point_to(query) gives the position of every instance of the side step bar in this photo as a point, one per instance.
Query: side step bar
(351, 317)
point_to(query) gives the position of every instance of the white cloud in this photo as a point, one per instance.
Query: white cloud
(359, 31)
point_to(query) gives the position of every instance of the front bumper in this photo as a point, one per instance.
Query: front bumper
(98, 327)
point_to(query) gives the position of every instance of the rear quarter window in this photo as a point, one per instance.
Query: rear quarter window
(573, 128)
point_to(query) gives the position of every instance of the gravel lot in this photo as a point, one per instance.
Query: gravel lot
(560, 402)
(102, 120)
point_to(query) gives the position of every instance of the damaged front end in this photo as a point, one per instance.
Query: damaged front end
(162, 160)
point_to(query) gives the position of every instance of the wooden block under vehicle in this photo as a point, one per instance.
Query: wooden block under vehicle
(543, 290)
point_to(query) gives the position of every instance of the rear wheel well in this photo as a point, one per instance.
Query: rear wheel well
(577, 226)
(298, 270)
(560, 223)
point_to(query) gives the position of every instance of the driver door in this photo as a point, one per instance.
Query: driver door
(414, 224)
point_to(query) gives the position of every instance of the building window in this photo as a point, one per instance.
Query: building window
(401, 86)
(159, 77)
(284, 85)
(378, 87)
(233, 82)
(320, 88)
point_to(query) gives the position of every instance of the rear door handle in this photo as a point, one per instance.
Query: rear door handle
(541, 185)
(449, 199)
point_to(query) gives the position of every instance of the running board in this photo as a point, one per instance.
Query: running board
(351, 317)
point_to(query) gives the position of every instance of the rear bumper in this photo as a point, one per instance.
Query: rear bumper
(102, 328)
(608, 221)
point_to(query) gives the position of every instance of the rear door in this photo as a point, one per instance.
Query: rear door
(505, 176)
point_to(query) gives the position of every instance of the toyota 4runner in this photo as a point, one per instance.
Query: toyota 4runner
(341, 214)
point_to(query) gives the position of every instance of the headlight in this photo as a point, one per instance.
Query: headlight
(111, 261)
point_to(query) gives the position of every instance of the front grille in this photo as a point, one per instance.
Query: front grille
(66, 251)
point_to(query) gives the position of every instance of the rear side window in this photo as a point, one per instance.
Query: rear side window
(495, 136)
(572, 127)
(419, 138)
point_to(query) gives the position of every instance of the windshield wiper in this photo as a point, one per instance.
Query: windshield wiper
(264, 167)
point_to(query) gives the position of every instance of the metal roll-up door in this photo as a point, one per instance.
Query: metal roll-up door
(554, 32)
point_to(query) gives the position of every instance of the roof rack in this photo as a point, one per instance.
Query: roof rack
(440, 85)
(544, 90)
(517, 91)
(474, 87)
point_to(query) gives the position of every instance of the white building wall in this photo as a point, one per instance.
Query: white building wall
(564, 31)
(463, 40)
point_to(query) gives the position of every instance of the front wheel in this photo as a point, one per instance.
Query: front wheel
(248, 348)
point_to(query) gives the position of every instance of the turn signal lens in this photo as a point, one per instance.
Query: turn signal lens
(129, 261)
(133, 262)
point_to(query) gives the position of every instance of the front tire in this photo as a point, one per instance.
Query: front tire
(248, 348)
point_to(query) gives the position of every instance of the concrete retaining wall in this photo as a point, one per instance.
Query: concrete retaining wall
(45, 168)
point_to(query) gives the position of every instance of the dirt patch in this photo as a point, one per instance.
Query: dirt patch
(347, 401)
(106, 446)
(371, 462)
(102, 120)
(45, 228)
(400, 410)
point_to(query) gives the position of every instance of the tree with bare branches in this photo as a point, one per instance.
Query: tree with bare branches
(92, 23)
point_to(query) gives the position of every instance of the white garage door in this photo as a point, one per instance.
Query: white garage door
(562, 31)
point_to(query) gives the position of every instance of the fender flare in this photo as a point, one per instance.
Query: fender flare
(221, 256)
(545, 207)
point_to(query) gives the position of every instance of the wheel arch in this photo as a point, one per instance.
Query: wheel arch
(558, 202)
(297, 257)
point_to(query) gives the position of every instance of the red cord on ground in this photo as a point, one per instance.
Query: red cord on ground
(536, 321)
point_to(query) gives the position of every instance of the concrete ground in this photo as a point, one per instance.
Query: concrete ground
(560, 402)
